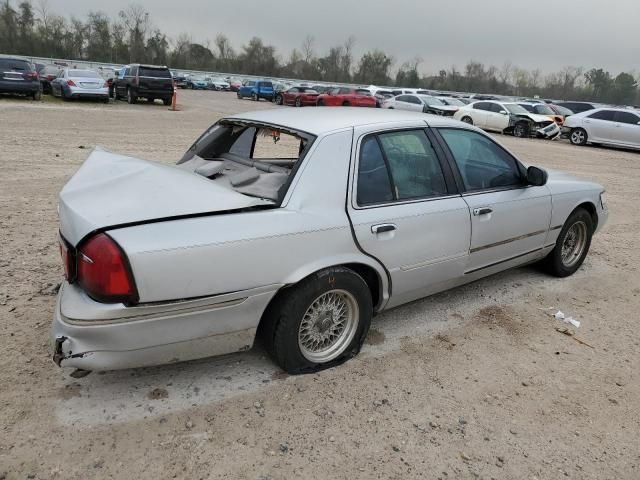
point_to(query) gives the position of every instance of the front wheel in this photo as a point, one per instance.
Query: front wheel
(278, 100)
(298, 102)
(467, 120)
(254, 97)
(578, 136)
(572, 245)
(318, 323)
(521, 130)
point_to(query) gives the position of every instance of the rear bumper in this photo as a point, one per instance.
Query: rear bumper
(93, 336)
(162, 93)
(78, 92)
(19, 86)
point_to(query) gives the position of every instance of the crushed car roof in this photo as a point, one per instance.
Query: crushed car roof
(320, 120)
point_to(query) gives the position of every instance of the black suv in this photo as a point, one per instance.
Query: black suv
(146, 81)
(17, 75)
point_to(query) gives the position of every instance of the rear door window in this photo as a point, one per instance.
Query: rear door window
(405, 161)
(606, 115)
(9, 65)
(627, 117)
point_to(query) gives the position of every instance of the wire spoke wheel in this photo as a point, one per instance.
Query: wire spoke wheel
(574, 244)
(328, 326)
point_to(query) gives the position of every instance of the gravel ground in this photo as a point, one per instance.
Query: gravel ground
(471, 383)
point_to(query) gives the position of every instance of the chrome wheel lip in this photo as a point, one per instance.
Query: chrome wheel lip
(333, 310)
(573, 244)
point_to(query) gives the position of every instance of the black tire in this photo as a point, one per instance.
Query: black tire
(151, 100)
(578, 136)
(131, 97)
(37, 96)
(298, 102)
(280, 325)
(346, 104)
(467, 120)
(106, 100)
(320, 103)
(239, 96)
(255, 97)
(553, 262)
(167, 101)
(521, 130)
(279, 100)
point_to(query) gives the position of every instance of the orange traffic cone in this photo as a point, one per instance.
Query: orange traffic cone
(174, 99)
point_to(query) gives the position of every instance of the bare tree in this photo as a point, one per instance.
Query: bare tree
(307, 48)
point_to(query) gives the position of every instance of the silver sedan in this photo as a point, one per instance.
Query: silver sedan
(74, 83)
(298, 226)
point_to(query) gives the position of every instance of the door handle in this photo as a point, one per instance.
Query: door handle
(482, 211)
(383, 227)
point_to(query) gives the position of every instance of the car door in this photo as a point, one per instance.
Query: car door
(289, 96)
(599, 125)
(627, 128)
(414, 103)
(479, 113)
(402, 103)
(508, 218)
(497, 117)
(406, 212)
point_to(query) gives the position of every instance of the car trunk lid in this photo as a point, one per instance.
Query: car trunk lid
(111, 190)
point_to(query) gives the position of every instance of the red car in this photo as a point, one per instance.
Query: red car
(298, 96)
(347, 97)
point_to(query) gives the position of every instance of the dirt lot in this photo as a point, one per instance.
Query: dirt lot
(472, 383)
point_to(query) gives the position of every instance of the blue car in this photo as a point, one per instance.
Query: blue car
(198, 83)
(256, 89)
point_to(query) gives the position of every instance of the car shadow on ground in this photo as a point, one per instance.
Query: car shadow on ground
(123, 395)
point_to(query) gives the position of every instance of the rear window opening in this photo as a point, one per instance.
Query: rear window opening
(9, 65)
(253, 159)
(154, 72)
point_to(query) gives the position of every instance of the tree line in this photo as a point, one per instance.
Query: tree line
(34, 30)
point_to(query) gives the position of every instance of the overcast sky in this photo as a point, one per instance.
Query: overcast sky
(541, 34)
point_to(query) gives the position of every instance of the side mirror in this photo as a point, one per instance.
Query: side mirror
(536, 176)
(503, 112)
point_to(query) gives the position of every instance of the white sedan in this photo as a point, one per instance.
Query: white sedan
(611, 126)
(506, 117)
(420, 103)
(298, 225)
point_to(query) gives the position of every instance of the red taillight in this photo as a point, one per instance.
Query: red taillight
(104, 272)
(70, 83)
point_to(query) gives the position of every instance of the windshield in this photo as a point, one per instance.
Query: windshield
(452, 101)
(431, 100)
(307, 90)
(515, 108)
(562, 110)
(543, 109)
(83, 74)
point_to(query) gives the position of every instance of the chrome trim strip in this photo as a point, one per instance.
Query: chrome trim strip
(503, 261)
(509, 240)
(556, 227)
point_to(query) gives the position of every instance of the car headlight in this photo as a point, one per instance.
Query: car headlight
(603, 202)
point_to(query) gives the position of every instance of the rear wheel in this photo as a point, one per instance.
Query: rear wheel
(167, 101)
(131, 97)
(572, 245)
(254, 97)
(346, 104)
(278, 100)
(320, 103)
(318, 323)
(467, 120)
(578, 136)
(298, 102)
